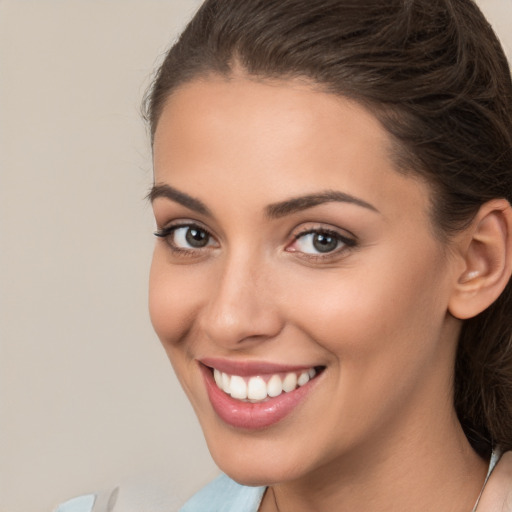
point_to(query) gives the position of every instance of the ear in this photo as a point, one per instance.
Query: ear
(486, 251)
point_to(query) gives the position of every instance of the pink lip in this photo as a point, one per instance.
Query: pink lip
(253, 416)
(249, 368)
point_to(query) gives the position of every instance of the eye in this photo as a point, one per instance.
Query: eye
(186, 237)
(317, 242)
(191, 237)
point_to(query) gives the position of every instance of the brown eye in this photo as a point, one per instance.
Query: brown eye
(324, 242)
(186, 237)
(195, 237)
(319, 242)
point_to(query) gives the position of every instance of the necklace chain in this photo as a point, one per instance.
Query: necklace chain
(275, 500)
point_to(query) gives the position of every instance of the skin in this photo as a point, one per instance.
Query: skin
(378, 431)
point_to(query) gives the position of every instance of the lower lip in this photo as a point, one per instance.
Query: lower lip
(253, 416)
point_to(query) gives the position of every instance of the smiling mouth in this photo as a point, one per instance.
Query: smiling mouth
(256, 395)
(261, 388)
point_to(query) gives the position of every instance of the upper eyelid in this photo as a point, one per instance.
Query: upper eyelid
(325, 228)
(175, 224)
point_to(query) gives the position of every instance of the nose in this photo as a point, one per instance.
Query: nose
(242, 307)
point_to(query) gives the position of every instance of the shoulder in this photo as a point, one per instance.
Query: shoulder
(225, 495)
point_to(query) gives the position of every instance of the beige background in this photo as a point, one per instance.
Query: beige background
(87, 397)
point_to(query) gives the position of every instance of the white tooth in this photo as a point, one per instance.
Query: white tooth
(274, 386)
(218, 377)
(303, 379)
(312, 373)
(225, 383)
(257, 389)
(290, 382)
(238, 388)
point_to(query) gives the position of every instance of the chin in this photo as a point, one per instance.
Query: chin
(259, 474)
(254, 461)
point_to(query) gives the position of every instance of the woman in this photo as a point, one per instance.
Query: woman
(331, 278)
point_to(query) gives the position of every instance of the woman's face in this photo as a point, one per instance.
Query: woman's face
(291, 249)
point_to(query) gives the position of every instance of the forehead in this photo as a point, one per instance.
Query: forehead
(289, 109)
(268, 138)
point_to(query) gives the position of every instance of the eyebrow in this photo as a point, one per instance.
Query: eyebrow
(273, 211)
(297, 204)
(175, 195)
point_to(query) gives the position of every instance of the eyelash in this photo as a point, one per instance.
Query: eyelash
(347, 243)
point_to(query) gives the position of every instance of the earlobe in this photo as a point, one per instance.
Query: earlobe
(486, 249)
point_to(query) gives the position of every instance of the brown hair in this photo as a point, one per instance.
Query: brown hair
(435, 75)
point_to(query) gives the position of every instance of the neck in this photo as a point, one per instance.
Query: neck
(430, 469)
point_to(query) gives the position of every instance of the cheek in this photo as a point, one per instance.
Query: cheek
(391, 306)
(173, 300)
(383, 331)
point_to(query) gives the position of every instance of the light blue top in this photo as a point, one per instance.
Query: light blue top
(80, 504)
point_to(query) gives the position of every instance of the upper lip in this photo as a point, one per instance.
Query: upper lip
(248, 368)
